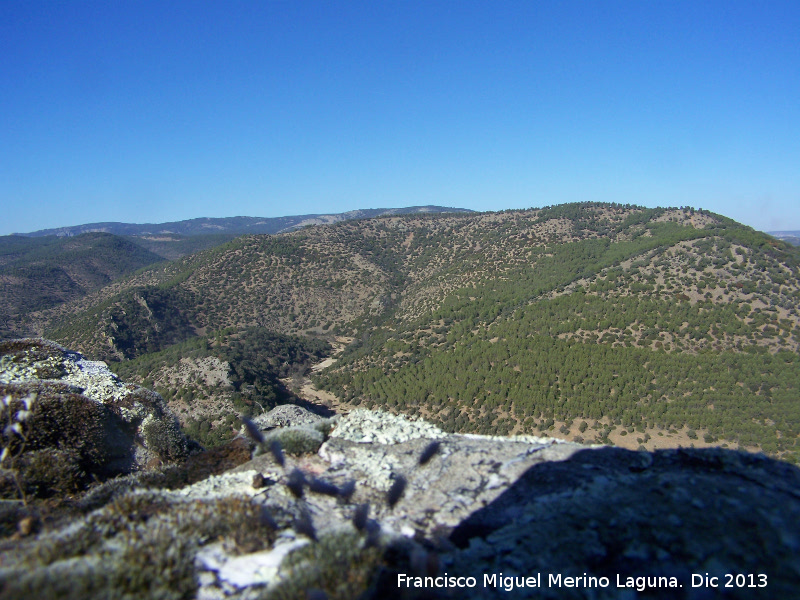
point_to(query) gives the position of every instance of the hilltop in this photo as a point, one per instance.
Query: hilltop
(595, 322)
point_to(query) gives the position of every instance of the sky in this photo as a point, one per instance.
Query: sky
(160, 111)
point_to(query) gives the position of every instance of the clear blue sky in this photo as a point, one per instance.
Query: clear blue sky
(155, 111)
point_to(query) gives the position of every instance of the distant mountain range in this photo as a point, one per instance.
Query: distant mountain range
(793, 237)
(234, 225)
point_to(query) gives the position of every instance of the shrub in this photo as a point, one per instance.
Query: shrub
(325, 426)
(163, 436)
(48, 472)
(207, 435)
(300, 439)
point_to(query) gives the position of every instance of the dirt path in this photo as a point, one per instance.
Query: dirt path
(319, 397)
(322, 398)
(323, 365)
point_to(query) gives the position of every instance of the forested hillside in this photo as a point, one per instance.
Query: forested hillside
(44, 269)
(578, 320)
(39, 273)
(664, 319)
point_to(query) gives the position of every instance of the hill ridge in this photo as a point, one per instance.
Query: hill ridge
(595, 321)
(231, 225)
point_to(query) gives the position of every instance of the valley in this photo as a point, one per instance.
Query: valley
(600, 323)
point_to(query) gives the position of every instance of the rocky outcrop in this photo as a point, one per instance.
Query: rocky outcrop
(285, 415)
(71, 421)
(386, 500)
(656, 523)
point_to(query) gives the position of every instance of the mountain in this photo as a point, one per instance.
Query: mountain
(793, 237)
(595, 322)
(233, 225)
(39, 273)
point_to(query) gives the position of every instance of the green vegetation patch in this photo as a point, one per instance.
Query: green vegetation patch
(255, 360)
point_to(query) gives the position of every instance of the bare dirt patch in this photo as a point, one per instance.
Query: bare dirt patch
(310, 393)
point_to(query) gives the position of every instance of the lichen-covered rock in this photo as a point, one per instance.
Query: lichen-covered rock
(83, 421)
(141, 545)
(35, 359)
(366, 426)
(286, 415)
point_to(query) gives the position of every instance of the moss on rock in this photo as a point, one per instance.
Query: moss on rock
(140, 545)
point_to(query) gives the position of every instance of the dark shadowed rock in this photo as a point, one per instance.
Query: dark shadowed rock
(611, 512)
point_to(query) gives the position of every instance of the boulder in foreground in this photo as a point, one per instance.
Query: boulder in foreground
(68, 421)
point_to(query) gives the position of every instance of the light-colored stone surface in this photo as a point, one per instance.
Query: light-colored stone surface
(219, 486)
(285, 415)
(94, 378)
(365, 426)
(254, 569)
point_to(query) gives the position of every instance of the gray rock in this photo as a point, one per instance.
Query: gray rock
(285, 415)
(615, 513)
(366, 426)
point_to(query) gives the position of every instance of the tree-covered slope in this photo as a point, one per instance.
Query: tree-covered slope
(663, 320)
(38, 273)
(621, 317)
(286, 284)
